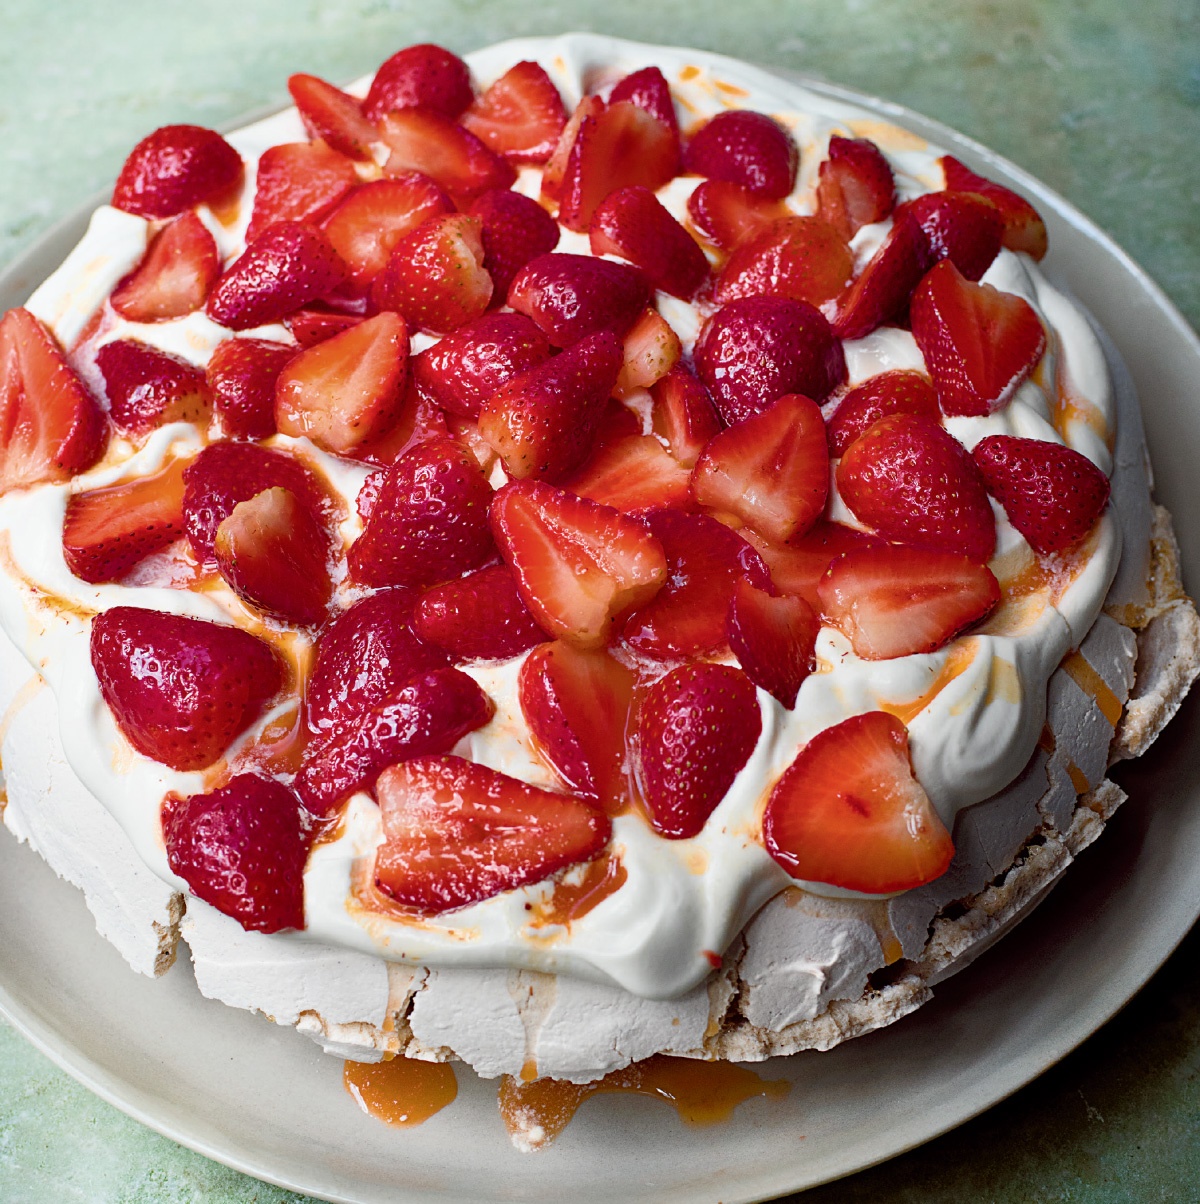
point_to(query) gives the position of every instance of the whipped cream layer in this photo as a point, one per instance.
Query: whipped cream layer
(974, 708)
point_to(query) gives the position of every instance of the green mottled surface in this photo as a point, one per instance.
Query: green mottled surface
(1100, 99)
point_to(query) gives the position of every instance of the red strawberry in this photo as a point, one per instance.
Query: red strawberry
(426, 716)
(478, 617)
(51, 426)
(684, 415)
(960, 227)
(651, 350)
(899, 391)
(312, 326)
(1024, 229)
(697, 728)
(726, 213)
(633, 224)
(463, 370)
(542, 420)
(435, 276)
(430, 522)
(756, 349)
(298, 182)
(180, 689)
(580, 566)
(747, 149)
(243, 849)
(148, 388)
(649, 90)
(419, 422)
(1052, 494)
(275, 556)
(288, 266)
(348, 389)
(457, 833)
(556, 165)
(916, 484)
(365, 228)
(520, 116)
(797, 567)
(425, 75)
(333, 116)
(705, 560)
(855, 187)
(576, 703)
(881, 292)
(425, 141)
(181, 264)
(771, 470)
(241, 377)
(174, 168)
(979, 343)
(107, 531)
(516, 229)
(800, 257)
(895, 601)
(849, 812)
(773, 639)
(630, 474)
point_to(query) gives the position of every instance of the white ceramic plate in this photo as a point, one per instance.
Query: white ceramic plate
(267, 1102)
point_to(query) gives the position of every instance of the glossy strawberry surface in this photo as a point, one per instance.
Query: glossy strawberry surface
(426, 75)
(855, 187)
(174, 168)
(772, 638)
(148, 388)
(333, 116)
(800, 257)
(298, 182)
(521, 115)
(1024, 229)
(745, 148)
(479, 617)
(897, 391)
(180, 266)
(241, 376)
(514, 229)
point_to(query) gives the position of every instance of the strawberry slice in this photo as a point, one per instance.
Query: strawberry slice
(745, 148)
(773, 639)
(179, 268)
(882, 290)
(916, 484)
(242, 848)
(899, 391)
(850, 812)
(855, 187)
(799, 257)
(797, 567)
(312, 326)
(298, 182)
(430, 521)
(516, 229)
(241, 375)
(148, 388)
(426, 141)
(348, 389)
(107, 531)
(180, 689)
(521, 116)
(51, 426)
(697, 728)
(542, 420)
(980, 344)
(771, 470)
(684, 415)
(333, 116)
(651, 350)
(419, 422)
(435, 276)
(577, 705)
(1024, 229)
(896, 601)
(479, 617)
(556, 165)
(1052, 494)
(174, 168)
(456, 833)
(630, 474)
(649, 90)
(961, 227)
(580, 566)
(726, 214)
(426, 75)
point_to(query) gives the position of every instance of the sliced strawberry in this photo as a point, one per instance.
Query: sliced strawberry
(797, 567)
(430, 522)
(312, 326)
(979, 343)
(107, 531)
(1052, 494)
(881, 291)
(633, 224)
(298, 182)
(684, 415)
(179, 268)
(756, 349)
(849, 812)
(961, 227)
(241, 375)
(51, 426)
(365, 228)
(916, 484)
(478, 617)
(855, 187)
(456, 833)
(773, 639)
(634, 473)
(705, 560)
(898, 391)
(420, 421)
(288, 266)
(1024, 229)
(800, 257)
(180, 689)
(896, 601)
(649, 90)
(426, 716)
(174, 168)
(425, 75)
(580, 566)
(651, 350)
(333, 116)
(521, 116)
(771, 470)
(745, 148)
(542, 420)
(466, 431)
(556, 165)
(348, 389)
(726, 214)
(697, 728)
(148, 388)
(516, 229)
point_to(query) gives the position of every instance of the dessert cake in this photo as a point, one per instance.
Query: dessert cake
(582, 553)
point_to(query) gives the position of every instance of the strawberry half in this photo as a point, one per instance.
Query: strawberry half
(521, 116)
(316, 324)
(479, 617)
(1024, 229)
(726, 214)
(556, 165)
(633, 473)
(298, 182)
(174, 168)
(649, 90)
(697, 728)
(148, 388)
(179, 268)
(961, 227)
(515, 230)
(800, 257)
(849, 812)
(333, 116)
(773, 639)
(241, 376)
(180, 689)
(684, 415)
(855, 187)
(651, 349)
(745, 148)
(797, 567)
(456, 833)
(895, 601)
(424, 74)
(882, 290)
(899, 391)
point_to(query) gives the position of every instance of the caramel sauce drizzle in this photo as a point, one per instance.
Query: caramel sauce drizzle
(956, 665)
(572, 901)
(401, 1091)
(1090, 682)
